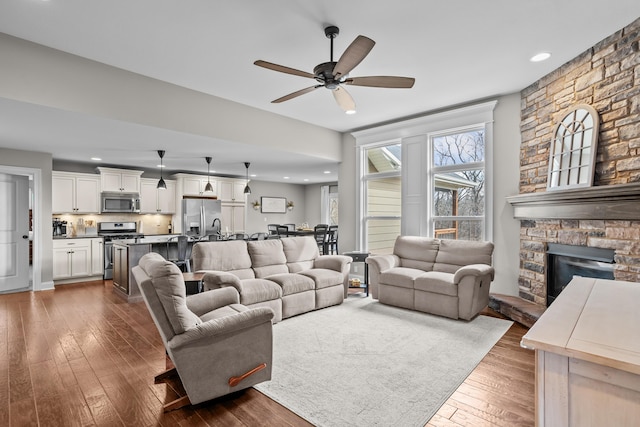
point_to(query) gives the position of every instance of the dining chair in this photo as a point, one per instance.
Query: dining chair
(320, 234)
(183, 255)
(283, 231)
(258, 236)
(332, 240)
(272, 229)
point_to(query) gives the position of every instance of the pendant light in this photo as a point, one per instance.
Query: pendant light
(247, 190)
(161, 184)
(208, 188)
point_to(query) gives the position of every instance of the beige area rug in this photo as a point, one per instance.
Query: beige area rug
(363, 363)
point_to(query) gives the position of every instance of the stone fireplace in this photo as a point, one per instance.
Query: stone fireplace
(607, 215)
(605, 218)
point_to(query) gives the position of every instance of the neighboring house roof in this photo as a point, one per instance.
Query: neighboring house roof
(453, 181)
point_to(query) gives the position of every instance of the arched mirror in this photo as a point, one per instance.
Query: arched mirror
(573, 149)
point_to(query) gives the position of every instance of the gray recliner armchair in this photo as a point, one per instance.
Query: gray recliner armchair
(217, 345)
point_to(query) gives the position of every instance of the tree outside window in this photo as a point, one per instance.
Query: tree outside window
(458, 182)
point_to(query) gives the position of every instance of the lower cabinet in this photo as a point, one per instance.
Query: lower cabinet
(77, 258)
(121, 267)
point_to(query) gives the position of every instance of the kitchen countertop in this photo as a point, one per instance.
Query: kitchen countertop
(80, 236)
(148, 240)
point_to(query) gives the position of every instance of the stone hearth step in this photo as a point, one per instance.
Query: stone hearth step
(517, 309)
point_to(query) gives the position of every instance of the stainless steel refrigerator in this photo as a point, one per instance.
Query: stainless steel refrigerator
(200, 216)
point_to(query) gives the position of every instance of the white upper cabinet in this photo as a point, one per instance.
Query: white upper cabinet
(193, 185)
(75, 193)
(231, 190)
(120, 180)
(154, 200)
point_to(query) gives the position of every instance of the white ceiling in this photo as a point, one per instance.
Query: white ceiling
(458, 51)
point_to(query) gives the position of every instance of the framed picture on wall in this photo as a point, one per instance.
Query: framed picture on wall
(273, 205)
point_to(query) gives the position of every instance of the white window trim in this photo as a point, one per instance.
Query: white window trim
(419, 129)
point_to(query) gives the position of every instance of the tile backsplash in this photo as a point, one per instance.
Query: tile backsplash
(148, 224)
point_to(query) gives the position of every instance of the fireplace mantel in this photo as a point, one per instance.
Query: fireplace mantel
(614, 202)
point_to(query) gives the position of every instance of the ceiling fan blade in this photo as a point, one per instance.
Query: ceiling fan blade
(295, 94)
(283, 69)
(382, 81)
(354, 54)
(344, 100)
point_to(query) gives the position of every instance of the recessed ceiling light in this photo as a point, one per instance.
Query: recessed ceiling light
(350, 112)
(161, 166)
(253, 175)
(285, 177)
(96, 159)
(327, 171)
(306, 179)
(540, 57)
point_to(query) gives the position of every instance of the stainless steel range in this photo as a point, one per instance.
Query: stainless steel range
(115, 231)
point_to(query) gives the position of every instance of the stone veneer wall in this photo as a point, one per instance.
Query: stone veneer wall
(607, 77)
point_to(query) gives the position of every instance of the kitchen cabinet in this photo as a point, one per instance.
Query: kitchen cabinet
(71, 258)
(193, 185)
(121, 267)
(75, 193)
(154, 200)
(78, 258)
(126, 255)
(120, 180)
(232, 190)
(233, 217)
(97, 256)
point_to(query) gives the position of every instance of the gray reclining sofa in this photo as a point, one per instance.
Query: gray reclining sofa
(287, 275)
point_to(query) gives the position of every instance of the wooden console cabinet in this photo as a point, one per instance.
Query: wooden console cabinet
(587, 346)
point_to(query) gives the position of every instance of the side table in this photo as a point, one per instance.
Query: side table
(193, 282)
(361, 257)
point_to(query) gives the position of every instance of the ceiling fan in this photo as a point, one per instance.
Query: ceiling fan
(332, 75)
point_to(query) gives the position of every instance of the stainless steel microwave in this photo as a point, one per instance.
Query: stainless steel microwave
(120, 202)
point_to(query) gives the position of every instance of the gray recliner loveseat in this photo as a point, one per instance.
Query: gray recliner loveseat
(445, 277)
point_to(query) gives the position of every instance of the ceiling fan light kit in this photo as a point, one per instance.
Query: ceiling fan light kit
(332, 75)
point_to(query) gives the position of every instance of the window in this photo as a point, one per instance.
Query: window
(426, 176)
(383, 197)
(458, 181)
(573, 149)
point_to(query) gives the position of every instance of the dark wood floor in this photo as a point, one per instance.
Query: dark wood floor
(81, 356)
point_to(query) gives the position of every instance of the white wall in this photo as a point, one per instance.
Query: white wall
(312, 205)
(506, 176)
(347, 195)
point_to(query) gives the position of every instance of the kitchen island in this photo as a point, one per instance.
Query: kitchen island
(127, 254)
(587, 346)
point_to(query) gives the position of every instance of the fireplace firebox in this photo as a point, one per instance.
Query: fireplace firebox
(566, 261)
